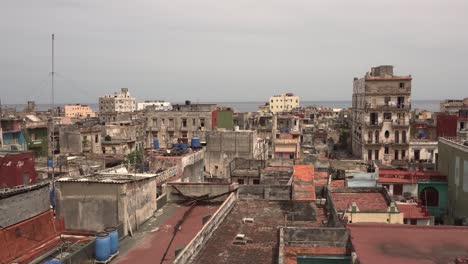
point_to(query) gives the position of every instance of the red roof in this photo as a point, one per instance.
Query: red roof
(365, 201)
(413, 211)
(303, 184)
(409, 244)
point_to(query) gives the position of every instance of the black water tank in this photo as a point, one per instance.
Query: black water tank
(187, 102)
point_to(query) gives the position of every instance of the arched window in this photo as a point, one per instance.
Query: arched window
(403, 136)
(387, 134)
(397, 136)
(429, 196)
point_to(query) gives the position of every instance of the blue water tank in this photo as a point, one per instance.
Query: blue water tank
(53, 261)
(50, 163)
(155, 144)
(114, 239)
(195, 143)
(102, 247)
(182, 146)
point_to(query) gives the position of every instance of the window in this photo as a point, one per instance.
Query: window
(402, 85)
(387, 134)
(396, 154)
(416, 154)
(171, 122)
(397, 136)
(376, 136)
(429, 196)
(256, 181)
(376, 154)
(369, 154)
(386, 150)
(202, 122)
(397, 189)
(184, 122)
(240, 181)
(387, 116)
(96, 138)
(193, 122)
(403, 136)
(155, 122)
(387, 100)
(403, 154)
(369, 137)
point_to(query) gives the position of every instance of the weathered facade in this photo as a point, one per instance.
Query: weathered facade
(184, 121)
(381, 106)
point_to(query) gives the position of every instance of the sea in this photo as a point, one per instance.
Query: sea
(252, 106)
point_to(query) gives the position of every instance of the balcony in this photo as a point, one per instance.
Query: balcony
(170, 128)
(372, 143)
(373, 124)
(184, 128)
(388, 107)
(400, 123)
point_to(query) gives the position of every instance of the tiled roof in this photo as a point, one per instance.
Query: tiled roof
(303, 184)
(365, 201)
(409, 244)
(413, 211)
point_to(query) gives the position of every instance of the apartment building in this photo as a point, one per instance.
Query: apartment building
(183, 121)
(157, 105)
(78, 111)
(284, 102)
(118, 102)
(381, 107)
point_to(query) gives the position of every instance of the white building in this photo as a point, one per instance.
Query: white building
(157, 105)
(283, 103)
(118, 102)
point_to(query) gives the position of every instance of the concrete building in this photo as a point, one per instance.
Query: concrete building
(16, 169)
(12, 136)
(118, 102)
(453, 162)
(184, 121)
(108, 199)
(156, 105)
(451, 106)
(78, 111)
(76, 139)
(284, 102)
(223, 146)
(380, 115)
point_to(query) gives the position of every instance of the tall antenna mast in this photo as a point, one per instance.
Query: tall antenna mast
(53, 112)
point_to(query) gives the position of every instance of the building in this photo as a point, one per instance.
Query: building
(453, 162)
(414, 214)
(118, 102)
(93, 202)
(223, 146)
(76, 139)
(183, 121)
(378, 243)
(365, 205)
(12, 136)
(451, 106)
(380, 116)
(16, 169)
(78, 111)
(36, 135)
(156, 105)
(284, 102)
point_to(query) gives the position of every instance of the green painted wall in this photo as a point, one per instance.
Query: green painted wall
(224, 120)
(442, 188)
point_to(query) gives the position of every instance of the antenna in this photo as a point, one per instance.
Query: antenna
(52, 112)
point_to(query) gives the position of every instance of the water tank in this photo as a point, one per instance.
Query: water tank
(155, 143)
(53, 261)
(114, 239)
(182, 146)
(195, 143)
(102, 247)
(187, 102)
(236, 128)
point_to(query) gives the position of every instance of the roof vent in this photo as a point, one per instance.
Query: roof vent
(240, 239)
(247, 220)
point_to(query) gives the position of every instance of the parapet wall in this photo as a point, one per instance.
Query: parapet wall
(265, 192)
(189, 253)
(195, 189)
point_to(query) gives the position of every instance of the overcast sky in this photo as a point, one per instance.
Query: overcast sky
(236, 50)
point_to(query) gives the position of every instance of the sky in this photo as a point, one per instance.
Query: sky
(226, 51)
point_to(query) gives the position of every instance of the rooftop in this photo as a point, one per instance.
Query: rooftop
(370, 201)
(303, 183)
(409, 244)
(456, 142)
(261, 234)
(413, 211)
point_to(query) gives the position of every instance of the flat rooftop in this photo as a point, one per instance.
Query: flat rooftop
(409, 244)
(262, 234)
(154, 238)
